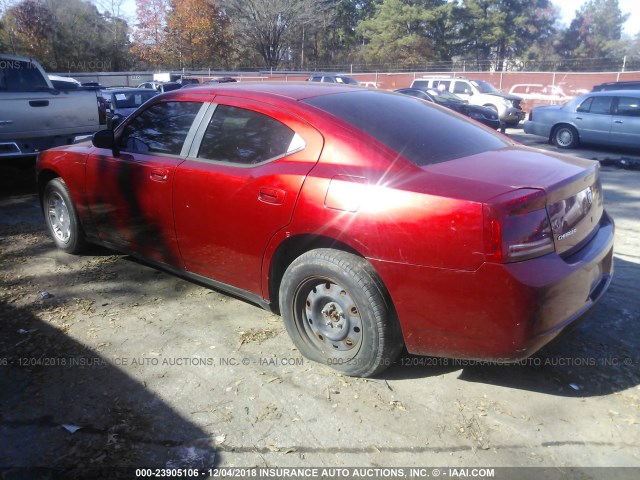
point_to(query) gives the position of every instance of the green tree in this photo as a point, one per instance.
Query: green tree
(406, 31)
(595, 32)
(340, 38)
(500, 30)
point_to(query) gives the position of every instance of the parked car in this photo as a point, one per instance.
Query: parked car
(485, 115)
(477, 92)
(601, 118)
(121, 102)
(161, 86)
(214, 81)
(333, 78)
(369, 220)
(616, 86)
(188, 81)
(35, 116)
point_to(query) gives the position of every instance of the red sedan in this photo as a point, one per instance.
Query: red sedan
(370, 220)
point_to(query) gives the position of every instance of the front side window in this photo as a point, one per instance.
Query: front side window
(461, 87)
(244, 137)
(160, 129)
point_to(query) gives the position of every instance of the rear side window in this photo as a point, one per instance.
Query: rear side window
(244, 137)
(421, 132)
(596, 105)
(629, 106)
(160, 129)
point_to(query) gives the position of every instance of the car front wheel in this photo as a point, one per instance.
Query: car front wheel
(61, 217)
(338, 313)
(565, 136)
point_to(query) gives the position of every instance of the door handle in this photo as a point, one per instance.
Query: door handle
(578, 118)
(274, 196)
(618, 121)
(159, 175)
(39, 103)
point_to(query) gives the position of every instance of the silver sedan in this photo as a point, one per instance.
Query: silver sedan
(602, 118)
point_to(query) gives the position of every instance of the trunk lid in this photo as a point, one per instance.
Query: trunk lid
(572, 186)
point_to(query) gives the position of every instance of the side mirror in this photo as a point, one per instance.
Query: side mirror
(105, 139)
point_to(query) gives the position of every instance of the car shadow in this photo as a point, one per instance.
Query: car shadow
(69, 412)
(598, 356)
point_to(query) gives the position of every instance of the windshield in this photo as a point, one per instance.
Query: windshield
(484, 87)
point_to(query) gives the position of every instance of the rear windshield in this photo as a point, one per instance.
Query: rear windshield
(422, 133)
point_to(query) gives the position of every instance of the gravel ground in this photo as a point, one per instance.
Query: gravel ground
(122, 365)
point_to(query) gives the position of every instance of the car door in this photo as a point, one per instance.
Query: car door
(593, 119)
(625, 125)
(239, 186)
(130, 195)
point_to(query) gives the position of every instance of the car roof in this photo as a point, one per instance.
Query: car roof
(290, 90)
(607, 93)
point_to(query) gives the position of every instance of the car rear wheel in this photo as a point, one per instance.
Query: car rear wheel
(62, 218)
(565, 136)
(338, 313)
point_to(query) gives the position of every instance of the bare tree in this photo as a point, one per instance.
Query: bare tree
(269, 26)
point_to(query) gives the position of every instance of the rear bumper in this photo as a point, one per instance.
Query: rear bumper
(535, 128)
(512, 115)
(502, 312)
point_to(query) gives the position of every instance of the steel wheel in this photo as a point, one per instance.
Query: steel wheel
(337, 312)
(330, 317)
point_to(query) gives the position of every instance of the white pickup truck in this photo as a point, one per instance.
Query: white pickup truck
(34, 116)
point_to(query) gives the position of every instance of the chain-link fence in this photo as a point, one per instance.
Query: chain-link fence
(565, 65)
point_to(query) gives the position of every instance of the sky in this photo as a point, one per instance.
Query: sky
(567, 9)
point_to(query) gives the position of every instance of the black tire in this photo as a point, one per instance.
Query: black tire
(565, 136)
(61, 217)
(512, 124)
(338, 313)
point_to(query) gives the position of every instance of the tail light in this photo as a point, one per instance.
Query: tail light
(517, 227)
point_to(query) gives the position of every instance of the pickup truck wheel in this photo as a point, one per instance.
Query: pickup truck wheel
(337, 312)
(565, 136)
(62, 218)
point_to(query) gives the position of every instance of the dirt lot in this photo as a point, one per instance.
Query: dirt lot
(158, 371)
